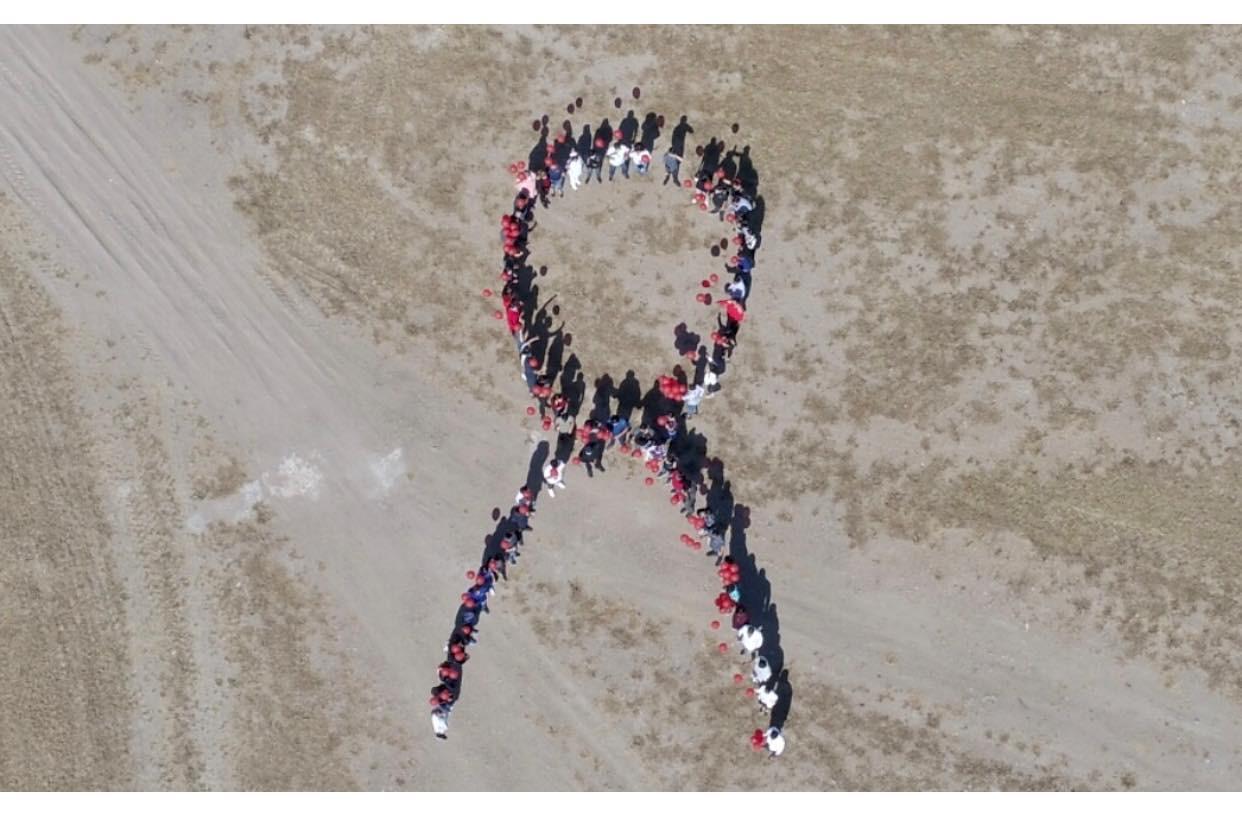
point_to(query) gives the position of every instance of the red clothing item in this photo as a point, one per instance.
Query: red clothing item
(734, 310)
(514, 317)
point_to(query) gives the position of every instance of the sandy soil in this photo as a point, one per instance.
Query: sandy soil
(255, 416)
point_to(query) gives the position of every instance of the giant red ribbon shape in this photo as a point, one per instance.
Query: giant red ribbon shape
(734, 197)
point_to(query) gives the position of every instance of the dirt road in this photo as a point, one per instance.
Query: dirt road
(255, 416)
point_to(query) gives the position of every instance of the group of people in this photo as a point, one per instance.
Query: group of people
(724, 184)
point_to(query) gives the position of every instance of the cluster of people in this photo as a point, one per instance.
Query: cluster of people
(724, 184)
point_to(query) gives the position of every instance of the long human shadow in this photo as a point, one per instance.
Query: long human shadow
(629, 395)
(602, 400)
(756, 590)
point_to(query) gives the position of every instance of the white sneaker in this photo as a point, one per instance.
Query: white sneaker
(551, 493)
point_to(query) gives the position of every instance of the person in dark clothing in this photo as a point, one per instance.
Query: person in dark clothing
(595, 161)
(592, 453)
(519, 517)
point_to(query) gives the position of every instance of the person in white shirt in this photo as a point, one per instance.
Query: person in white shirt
(553, 476)
(767, 698)
(751, 638)
(618, 156)
(693, 397)
(761, 672)
(641, 157)
(737, 289)
(775, 741)
(439, 722)
(574, 170)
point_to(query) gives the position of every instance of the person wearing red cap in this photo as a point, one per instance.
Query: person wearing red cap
(519, 517)
(554, 476)
(734, 310)
(641, 157)
(556, 178)
(595, 161)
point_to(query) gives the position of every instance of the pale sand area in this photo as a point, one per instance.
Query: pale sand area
(255, 415)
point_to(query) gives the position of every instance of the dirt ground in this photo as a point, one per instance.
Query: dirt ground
(255, 415)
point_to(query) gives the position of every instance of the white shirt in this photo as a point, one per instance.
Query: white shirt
(695, 396)
(551, 474)
(439, 722)
(751, 638)
(762, 672)
(641, 156)
(618, 154)
(775, 740)
(767, 698)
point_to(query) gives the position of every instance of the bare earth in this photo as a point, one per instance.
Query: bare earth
(254, 414)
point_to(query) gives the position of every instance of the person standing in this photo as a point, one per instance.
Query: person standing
(595, 162)
(554, 476)
(618, 429)
(618, 157)
(693, 398)
(574, 170)
(676, 152)
(439, 721)
(750, 638)
(593, 454)
(775, 742)
(557, 178)
(672, 166)
(641, 157)
(767, 697)
(761, 671)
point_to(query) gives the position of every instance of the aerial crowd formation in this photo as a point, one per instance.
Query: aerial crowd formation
(725, 185)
